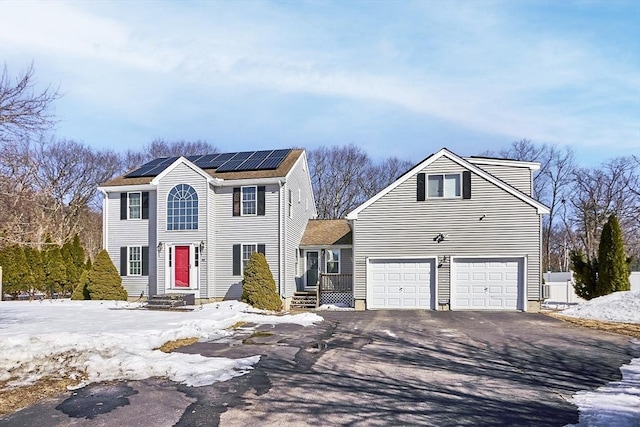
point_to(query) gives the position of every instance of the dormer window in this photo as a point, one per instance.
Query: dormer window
(444, 186)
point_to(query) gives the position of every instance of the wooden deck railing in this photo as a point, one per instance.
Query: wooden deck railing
(334, 283)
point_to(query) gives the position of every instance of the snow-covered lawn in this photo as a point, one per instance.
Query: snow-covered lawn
(99, 341)
(617, 403)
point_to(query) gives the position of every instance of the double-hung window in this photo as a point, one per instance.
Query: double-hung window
(444, 186)
(247, 251)
(333, 260)
(135, 205)
(135, 261)
(249, 201)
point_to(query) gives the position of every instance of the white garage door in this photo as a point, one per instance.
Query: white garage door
(487, 284)
(400, 283)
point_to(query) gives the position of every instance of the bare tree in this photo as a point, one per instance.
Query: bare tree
(22, 108)
(345, 177)
(378, 176)
(599, 192)
(161, 148)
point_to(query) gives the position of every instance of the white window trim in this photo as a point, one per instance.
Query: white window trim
(444, 175)
(129, 205)
(242, 245)
(129, 273)
(326, 260)
(242, 200)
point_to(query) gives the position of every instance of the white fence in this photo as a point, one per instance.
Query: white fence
(558, 287)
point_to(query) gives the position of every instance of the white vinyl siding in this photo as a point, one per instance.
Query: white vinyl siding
(398, 226)
(123, 233)
(517, 177)
(182, 174)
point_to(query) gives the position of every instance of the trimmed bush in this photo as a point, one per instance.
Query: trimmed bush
(104, 281)
(81, 292)
(258, 286)
(55, 272)
(585, 273)
(613, 268)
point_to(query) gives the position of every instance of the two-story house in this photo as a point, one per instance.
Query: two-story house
(451, 233)
(189, 225)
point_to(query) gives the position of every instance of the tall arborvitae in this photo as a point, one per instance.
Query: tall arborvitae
(258, 286)
(81, 292)
(613, 269)
(104, 281)
(73, 274)
(36, 267)
(15, 271)
(54, 269)
(77, 253)
(585, 274)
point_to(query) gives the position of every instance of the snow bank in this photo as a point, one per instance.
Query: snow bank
(100, 340)
(616, 307)
(616, 404)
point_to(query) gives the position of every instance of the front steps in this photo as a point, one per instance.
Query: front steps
(171, 302)
(304, 300)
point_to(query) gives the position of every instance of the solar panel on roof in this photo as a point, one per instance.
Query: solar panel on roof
(244, 155)
(250, 164)
(271, 163)
(194, 159)
(280, 153)
(230, 166)
(261, 154)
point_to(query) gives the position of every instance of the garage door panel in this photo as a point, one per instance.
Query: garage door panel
(401, 283)
(487, 283)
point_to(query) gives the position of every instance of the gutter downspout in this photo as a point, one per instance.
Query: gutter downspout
(281, 239)
(105, 214)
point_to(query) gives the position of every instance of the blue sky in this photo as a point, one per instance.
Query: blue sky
(396, 78)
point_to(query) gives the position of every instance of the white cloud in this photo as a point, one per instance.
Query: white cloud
(476, 65)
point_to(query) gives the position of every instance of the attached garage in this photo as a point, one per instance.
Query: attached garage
(401, 283)
(487, 283)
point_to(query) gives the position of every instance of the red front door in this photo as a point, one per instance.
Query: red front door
(181, 264)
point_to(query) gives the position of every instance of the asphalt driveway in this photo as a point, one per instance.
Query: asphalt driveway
(371, 368)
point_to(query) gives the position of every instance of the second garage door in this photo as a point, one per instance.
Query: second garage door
(401, 283)
(487, 283)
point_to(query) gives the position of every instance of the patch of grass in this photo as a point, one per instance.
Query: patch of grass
(168, 347)
(629, 329)
(14, 399)
(237, 325)
(257, 334)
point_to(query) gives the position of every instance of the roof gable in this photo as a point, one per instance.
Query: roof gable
(280, 172)
(542, 209)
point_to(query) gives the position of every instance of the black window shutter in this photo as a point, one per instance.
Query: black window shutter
(466, 184)
(123, 259)
(145, 205)
(261, 200)
(123, 205)
(145, 260)
(261, 249)
(236, 201)
(421, 187)
(236, 259)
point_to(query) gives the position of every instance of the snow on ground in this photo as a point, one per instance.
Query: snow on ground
(108, 340)
(616, 307)
(617, 403)
(335, 307)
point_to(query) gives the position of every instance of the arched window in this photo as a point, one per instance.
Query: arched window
(182, 208)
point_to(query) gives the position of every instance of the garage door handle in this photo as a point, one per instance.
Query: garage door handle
(486, 289)
(400, 289)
